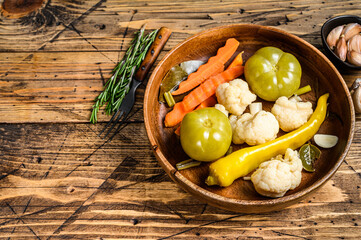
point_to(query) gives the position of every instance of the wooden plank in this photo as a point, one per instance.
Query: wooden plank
(83, 54)
(71, 84)
(59, 180)
(118, 190)
(61, 92)
(104, 29)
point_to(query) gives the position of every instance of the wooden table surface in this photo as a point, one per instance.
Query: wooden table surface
(59, 180)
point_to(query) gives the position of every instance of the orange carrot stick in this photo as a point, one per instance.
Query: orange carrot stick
(209, 102)
(177, 131)
(198, 95)
(209, 87)
(176, 115)
(237, 61)
(214, 65)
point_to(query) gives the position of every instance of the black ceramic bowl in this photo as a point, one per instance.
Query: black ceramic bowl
(327, 28)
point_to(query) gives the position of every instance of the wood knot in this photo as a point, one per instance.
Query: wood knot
(70, 189)
(19, 8)
(134, 221)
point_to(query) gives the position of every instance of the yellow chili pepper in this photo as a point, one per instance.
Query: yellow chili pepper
(239, 163)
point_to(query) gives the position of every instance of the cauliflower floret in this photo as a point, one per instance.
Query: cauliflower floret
(254, 129)
(221, 108)
(278, 175)
(290, 113)
(232, 120)
(235, 96)
(295, 163)
(272, 178)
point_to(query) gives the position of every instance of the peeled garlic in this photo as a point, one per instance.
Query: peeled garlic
(354, 58)
(333, 36)
(341, 48)
(354, 44)
(325, 140)
(191, 66)
(345, 41)
(255, 107)
(351, 30)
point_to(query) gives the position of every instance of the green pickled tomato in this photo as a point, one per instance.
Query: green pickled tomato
(272, 73)
(205, 134)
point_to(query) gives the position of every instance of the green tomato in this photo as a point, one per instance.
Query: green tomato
(272, 73)
(205, 134)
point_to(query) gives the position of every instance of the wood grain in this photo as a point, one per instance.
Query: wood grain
(59, 180)
(128, 195)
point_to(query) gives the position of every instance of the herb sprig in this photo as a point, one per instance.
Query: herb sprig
(118, 85)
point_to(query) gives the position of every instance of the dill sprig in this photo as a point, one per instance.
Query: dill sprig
(118, 85)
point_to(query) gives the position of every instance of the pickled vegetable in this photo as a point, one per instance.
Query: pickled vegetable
(309, 154)
(176, 75)
(272, 73)
(173, 77)
(189, 163)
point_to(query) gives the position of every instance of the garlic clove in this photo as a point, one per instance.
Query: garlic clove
(255, 107)
(354, 44)
(341, 48)
(333, 36)
(351, 30)
(356, 84)
(354, 58)
(191, 66)
(325, 140)
(356, 95)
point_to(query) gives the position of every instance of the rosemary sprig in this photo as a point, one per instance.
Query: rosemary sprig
(118, 84)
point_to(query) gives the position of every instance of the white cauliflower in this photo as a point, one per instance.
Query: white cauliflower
(278, 175)
(291, 157)
(235, 96)
(291, 113)
(221, 108)
(254, 129)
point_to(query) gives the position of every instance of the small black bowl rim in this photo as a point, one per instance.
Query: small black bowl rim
(348, 19)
